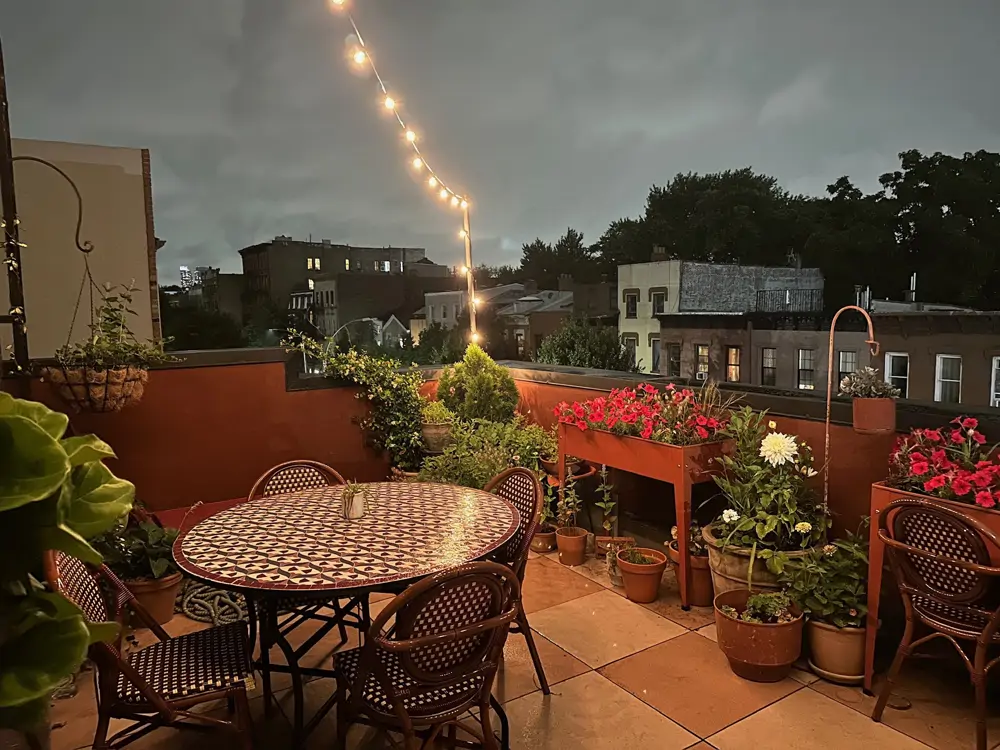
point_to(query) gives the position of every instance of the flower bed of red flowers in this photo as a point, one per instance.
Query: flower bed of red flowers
(674, 416)
(952, 463)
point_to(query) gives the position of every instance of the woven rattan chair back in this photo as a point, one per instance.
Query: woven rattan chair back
(521, 488)
(293, 476)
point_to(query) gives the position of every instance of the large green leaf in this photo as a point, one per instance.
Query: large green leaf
(32, 463)
(27, 716)
(96, 499)
(82, 450)
(53, 422)
(61, 537)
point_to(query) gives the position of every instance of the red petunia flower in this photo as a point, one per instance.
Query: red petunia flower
(957, 437)
(935, 483)
(581, 424)
(979, 437)
(970, 423)
(985, 499)
(960, 486)
(933, 435)
(920, 468)
(938, 456)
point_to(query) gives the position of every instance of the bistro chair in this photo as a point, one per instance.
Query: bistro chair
(437, 662)
(158, 685)
(522, 489)
(942, 562)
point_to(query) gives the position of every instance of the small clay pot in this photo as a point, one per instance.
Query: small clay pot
(157, 595)
(756, 651)
(642, 582)
(552, 467)
(572, 543)
(701, 592)
(874, 416)
(437, 437)
(837, 654)
(543, 541)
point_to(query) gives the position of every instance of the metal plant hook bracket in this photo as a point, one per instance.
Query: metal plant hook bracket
(83, 247)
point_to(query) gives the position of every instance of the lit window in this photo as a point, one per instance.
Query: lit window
(897, 372)
(768, 366)
(732, 364)
(701, 371)
(948, 379)
(347, 264)
(316, 263)
(309, 264)
(312, 284)
(631, 305)
(807, 369)
(659, 303)
(385, 266)
(848, 364)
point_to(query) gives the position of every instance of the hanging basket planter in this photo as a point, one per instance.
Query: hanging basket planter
(98, 390)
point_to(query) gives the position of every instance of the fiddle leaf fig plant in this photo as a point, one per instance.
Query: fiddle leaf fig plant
(55, 492)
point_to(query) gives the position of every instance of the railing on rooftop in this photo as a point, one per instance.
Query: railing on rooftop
(789, 300)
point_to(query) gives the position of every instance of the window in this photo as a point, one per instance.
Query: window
(701, 368)
(807, 369)
(456, 311)
(385, 266)
(848, 364)
(309, 264)
(631, 305)
(732, 364)
(444, 312)
(631, 344)
(673, 352)
(312, 285)
(995, 380)
(655, 346)
(768, 366)
(347, 264)
(316, 263)
(948, 379)
(659, 303)
(897, 372)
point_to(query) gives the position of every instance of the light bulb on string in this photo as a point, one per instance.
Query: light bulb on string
(360, 57)
(465, 270)
(411, 136)
(432, 182)
(475, 338)
(454, 201)
(443, 195)
(462, 234)
(390, 103)
(337, 4)
(418, 163)
(464, 205)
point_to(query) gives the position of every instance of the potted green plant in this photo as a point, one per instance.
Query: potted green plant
(641, 570)
(829, 586)
(774, 514)
(55, 492)
(611, 562)
(549, 456)
(570, 538)
(140, 552)
(874, 401)
(478, 388)
(109, 370)
(701, 592)
(355, 499)
(544, 539)
(760, 633)
(435, 426)
(609, 521)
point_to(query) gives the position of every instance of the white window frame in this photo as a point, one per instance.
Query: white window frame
(887, 370)
(655, 354)
(938, 381)
(663, 307)
(841, 370)
(634, 296)
(800, 369)
(995, 383)
(632, 339)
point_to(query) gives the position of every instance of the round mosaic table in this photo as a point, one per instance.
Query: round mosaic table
(301, 543)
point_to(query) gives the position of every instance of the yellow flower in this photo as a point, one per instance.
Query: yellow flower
(772, 425)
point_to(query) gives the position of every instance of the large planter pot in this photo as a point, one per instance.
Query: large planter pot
(572, 543)
(552, 467)
(436, 436)
(544, 541)
(87, 389)
(731, 566)
(702, 592)
(642, 582)
(756, 651)
(837, 654)
(157, 595)
(874, 416)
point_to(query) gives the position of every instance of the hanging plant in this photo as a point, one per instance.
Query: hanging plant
(109, 370)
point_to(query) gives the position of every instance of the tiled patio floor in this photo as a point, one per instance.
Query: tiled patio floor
(625, 676)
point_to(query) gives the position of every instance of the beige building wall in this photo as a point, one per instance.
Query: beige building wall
(117, 219)
(641, 281)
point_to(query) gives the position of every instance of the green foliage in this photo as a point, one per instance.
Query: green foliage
(578, 344)
(54, 492)
(607, 502)
(393, 394)
(478, 388)
(544, 263)
(481, 449)
(188, 327)
(548, 520)
(112, 344)
(438, 346)
(867, 383)
(569, 504)
(830, 584)
(697, 547)
(764, 609)
(435, 412)
(772, 507)
(137, 550)
(634, 556)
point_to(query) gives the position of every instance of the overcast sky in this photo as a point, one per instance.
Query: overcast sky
(550, 113)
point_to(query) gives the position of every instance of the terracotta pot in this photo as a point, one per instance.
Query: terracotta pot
(543, 541)
(601, 543)
(157, 595)
(837, 654)
(437, 437)
(572, 543)
(552, 467)
(874, 416)
(756, 651)
(642, 582)
(701, 592)
(731, 565)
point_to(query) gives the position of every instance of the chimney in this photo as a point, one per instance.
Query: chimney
(659, 253)
(530, 286)
(565, 282)
(911, 293)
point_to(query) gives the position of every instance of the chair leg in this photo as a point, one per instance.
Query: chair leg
(522, 621)
(901, 653)
(979, 682)
(489, 741)
(244, 721)
(504, 723)
(265, 656)
(343, 721)
(101, 734)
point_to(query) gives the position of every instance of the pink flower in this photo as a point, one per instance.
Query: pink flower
(935, 483)
(960, 486)
(920, 468)
(985, 499)
(969, 423)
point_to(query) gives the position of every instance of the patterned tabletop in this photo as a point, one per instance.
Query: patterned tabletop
(301, 542)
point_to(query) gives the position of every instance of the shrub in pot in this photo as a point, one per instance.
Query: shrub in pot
(140, 552)
(829, 587)
(701, 593)
(570, 538)
(760, 633)
(641, 571)
(774, 514)
(436, 422)
(478, 388)
(874, 401)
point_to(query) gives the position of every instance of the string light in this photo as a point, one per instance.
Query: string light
(418, 163)
(411, 136)
(390, 103)
(461, 234)
(433, 182)
(360, 57)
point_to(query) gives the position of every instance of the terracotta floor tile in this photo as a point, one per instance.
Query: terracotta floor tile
(591, 713)
(547, 583)
(806, 720)
(603, 627)
(942, 711)
(517, 673)
(708, 631)
(668, 604)
(596, 570)
(675, 677)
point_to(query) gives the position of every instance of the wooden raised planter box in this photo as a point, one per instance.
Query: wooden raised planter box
(680, 465)
(880, 498)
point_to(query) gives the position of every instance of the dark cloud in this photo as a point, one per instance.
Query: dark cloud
(548, 112)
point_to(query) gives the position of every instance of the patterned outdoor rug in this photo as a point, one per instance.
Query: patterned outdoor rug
(204, 603)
